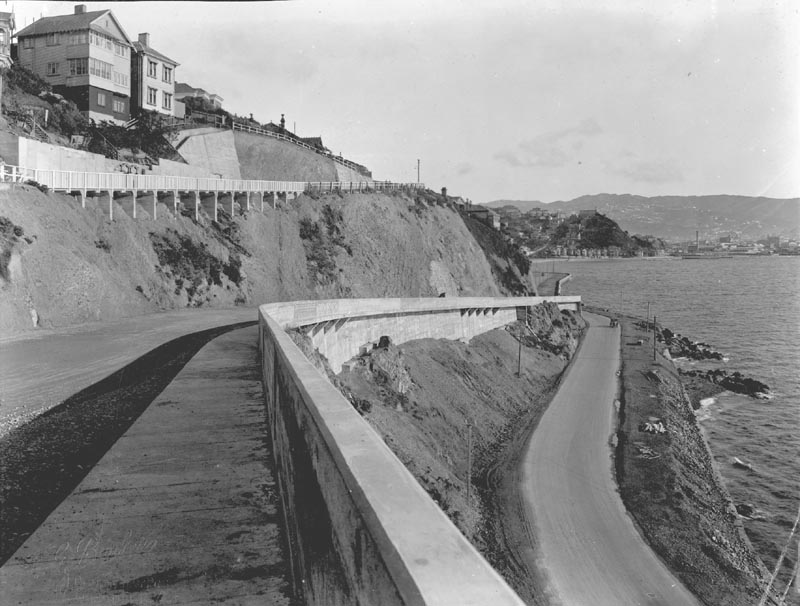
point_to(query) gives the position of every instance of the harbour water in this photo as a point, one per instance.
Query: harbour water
(749, 309)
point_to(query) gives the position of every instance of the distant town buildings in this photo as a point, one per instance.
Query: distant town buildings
(153, 77)
(86, 57)
(485, 215)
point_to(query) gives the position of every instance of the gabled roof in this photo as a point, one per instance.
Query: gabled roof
(147, 50)
(70, 23)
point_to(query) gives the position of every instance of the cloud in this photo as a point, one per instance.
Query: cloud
(659, 171)
(465, 168)
(551, 149)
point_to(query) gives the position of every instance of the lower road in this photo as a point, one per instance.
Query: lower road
(589, 548)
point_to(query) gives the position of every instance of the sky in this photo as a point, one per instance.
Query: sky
(507, 99)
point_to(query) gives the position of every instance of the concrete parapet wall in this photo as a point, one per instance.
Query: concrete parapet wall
(361, 529)
(340, 327)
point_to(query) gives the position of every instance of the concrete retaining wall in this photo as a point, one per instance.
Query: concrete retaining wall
(45, 156)
(31, 153)
(361, 529)
(213, 150)
(269, 159)
(348, 175)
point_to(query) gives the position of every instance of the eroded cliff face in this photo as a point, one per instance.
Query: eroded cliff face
(69, 265)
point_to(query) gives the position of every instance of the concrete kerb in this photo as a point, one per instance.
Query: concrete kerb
(426, 559)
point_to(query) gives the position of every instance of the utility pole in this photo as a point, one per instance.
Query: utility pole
(417, 170)
(654, 337)
(469, 462)
(519, 356)
(647, 322)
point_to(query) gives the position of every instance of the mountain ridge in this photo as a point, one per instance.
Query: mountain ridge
(678, 217)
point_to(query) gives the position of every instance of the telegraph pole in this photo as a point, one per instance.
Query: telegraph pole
(519, 356)
(417, 170)
(648, 315)
(469, 462)
(654, 337)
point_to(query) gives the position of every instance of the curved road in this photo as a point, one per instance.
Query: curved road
(41, 369)
(590, 550)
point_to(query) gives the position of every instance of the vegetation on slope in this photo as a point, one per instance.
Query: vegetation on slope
(73, 265)
(439, 404)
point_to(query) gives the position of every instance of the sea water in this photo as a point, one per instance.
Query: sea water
(749, 309)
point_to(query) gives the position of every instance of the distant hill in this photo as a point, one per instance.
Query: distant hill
(677, 217)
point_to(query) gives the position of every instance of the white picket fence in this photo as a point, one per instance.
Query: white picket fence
(89, 181)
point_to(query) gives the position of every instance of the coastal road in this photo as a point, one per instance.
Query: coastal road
(589, 549)
(41, 369)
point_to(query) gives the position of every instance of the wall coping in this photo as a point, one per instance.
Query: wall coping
(428, 558)
(304, 313)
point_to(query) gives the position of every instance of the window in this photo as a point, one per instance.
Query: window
(78, 67)
(166, 102)
(78, 38)
(166, 74)
(120, 50)
(52, 69)
(152, 68)
(119, 106)
(152, 96)
(53, 39)
(27, 42)
(121, 79)
(101, 99)
(100, 68)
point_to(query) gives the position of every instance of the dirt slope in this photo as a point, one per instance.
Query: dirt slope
(424, 396)
(68, 265)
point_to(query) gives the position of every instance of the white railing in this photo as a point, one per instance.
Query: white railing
(353, 186)
(88, 181)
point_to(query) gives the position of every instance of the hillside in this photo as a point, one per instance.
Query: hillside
(62, 265)
(676, 218)
(593, 233)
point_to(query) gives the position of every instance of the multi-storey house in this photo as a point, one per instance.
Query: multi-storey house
(86, 57)
(6, 31)
(153, 79)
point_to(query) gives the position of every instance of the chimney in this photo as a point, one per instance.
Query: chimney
(144, 40)
(80, 9)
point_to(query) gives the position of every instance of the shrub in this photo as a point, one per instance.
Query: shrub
(27, 81)
(42, 188)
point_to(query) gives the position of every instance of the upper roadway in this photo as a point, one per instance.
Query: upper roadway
(41, 369)
(589, 548)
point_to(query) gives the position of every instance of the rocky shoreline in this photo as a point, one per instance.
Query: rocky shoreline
(667, 479)
(680, 347)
